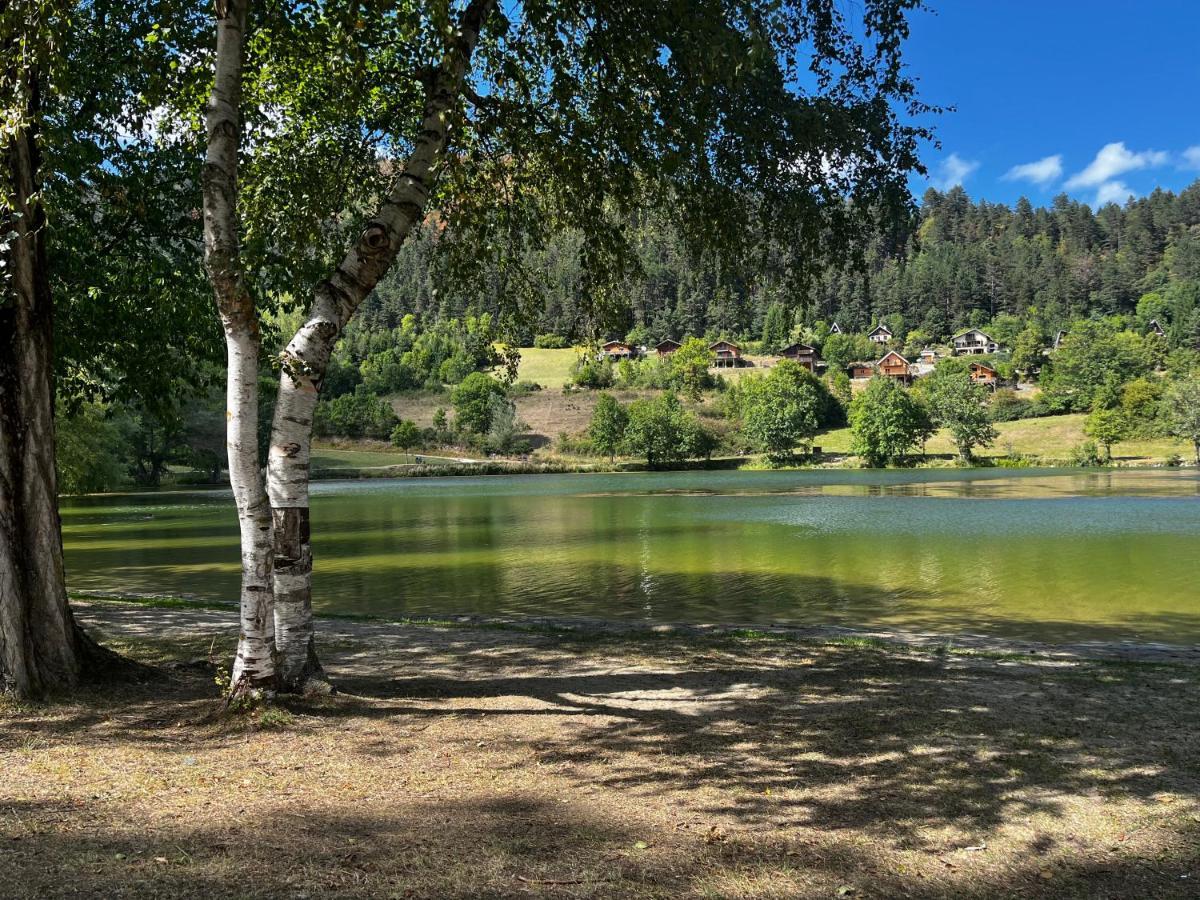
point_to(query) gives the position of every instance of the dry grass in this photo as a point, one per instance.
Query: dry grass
(497, 764)
(1052, 437)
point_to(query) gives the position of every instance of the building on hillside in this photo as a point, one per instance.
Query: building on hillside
(728, 354)
(880, 334)
(929, 356)
(618, 350)
(974, 341)
(804, 355)
(667, 347)
(893, 365)
(1155, 328)
(860, 369)
(835, 328)
(981, 374)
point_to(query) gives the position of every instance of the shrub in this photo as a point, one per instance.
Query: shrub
(472, 400)
(550, 342)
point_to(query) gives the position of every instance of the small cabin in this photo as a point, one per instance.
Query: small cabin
(1155, 328)
(880, 334)
(728, 354)
(835, 328)
(928, 356)
(618, 350)
(667, 347)
(981, 374)
(860, 369)
(803, 354)
(893, 365)
(974, 341)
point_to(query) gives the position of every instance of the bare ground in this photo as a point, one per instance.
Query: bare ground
(466, 762)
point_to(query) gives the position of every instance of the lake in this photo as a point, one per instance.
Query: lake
(1042, 554)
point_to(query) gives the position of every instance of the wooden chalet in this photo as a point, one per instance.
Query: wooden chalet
(880, 334)
(835, 328)
(893, 365)
(860, 369)
(928, 356)
(975, 342)
(1155, 328)
(728, 354)
(667, 347)
(618, 350)
(981, 374)
(803, 354)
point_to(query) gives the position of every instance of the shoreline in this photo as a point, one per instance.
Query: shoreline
(594, 629)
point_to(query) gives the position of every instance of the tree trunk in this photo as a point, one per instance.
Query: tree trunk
(254, 667)
(307, 356)
(41, 649)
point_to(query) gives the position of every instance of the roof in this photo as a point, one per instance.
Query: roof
(984, 368)
(667, 343)
(878, 328)
(835, 328)
(891, 353)
(973, 331)
(716, 345)
(797, 348)
(615, 344)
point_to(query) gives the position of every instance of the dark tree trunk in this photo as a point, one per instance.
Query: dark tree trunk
(41, 649)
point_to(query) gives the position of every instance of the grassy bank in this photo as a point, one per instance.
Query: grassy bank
(466, 763)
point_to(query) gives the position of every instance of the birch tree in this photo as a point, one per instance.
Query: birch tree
(510, 122)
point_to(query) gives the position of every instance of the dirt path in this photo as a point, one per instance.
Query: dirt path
(489, 763)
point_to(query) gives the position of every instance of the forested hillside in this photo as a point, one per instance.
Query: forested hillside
(961, 263)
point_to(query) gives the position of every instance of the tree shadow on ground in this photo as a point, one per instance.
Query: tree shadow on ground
(817, 765)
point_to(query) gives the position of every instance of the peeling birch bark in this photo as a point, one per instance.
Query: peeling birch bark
(306, 357)
(254, 667)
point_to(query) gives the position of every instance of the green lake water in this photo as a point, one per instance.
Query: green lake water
(1043, 554)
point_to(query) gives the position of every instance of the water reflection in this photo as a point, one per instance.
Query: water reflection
(1050, 554)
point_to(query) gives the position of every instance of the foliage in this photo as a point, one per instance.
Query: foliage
(1107, 427)
(1093, 354)
(662, 432)
(1086, 455)
(886, 422)
(592, 369)
(90, 449)
(783, 409)
(1183, 411)
(504, 426)
(607, 428)
(690, 366)
(839, 350)
(550, 342)
(360, 414)
(776, 329)
(406, 435)
(960, 406)
(472, 400)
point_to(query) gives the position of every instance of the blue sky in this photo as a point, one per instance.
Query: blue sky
(1097, 98)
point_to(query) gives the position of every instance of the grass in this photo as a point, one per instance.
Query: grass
(549, 368)
(1051, 438)
(340, 458)
(467, 763)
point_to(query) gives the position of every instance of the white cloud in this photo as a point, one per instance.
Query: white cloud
(1191, 157)
(1042, 172)
(1112, 192)
(1113, 160)
(953, 170)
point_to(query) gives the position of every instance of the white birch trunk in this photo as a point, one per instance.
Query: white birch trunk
(307, 355)
(254, 667)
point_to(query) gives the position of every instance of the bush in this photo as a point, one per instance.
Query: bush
(472, 401)
(550, 342)
(592, 371)
(360, 414)
(1086, 454)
